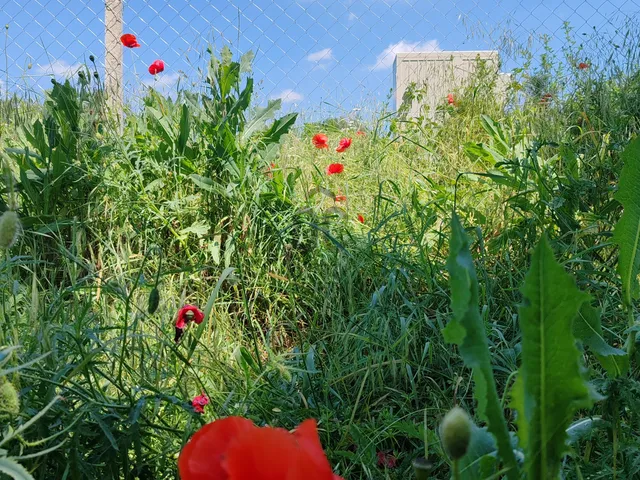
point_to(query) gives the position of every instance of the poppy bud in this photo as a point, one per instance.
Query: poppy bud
(154, 300)
(9, 400)
(92, 58)
(96, 75)
(9, 228)
(455, 432)
(422, 468)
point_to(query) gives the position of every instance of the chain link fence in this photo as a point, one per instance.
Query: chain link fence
(314, 54)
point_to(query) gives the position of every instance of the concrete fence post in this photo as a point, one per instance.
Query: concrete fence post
(113, 55)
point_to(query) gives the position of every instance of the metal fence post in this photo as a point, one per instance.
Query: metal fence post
(113, 54)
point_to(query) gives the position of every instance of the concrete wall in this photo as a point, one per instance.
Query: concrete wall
(440, 72)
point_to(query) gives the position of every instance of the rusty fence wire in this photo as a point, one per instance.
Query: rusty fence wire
(314, 54)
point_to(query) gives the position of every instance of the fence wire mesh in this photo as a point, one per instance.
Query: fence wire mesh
(311, 53)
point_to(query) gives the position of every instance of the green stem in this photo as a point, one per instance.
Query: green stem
(456, 470)
(631, 339)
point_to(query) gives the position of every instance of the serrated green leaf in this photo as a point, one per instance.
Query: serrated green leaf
(552, 384)
(467, 330)
(627, 231)
(481, 444)
(588, 330)
(246, 62)
(12, 468)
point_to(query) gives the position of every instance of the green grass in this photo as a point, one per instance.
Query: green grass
(309, 312)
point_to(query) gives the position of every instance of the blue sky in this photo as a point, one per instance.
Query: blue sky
(315, 54)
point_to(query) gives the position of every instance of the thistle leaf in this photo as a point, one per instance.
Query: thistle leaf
(552, 387)
(627, 231)
(467, 330)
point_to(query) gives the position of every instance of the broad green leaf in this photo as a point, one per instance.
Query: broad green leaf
(279, 128)
(552, 384)
(588, 330)
(260, 119)
(627, 231)
(466, 329)
(12, 468)
(198, 228)
(185, 125)
(498, 135)
(582, 428)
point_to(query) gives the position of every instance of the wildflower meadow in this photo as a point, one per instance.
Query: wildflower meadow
(204, 286)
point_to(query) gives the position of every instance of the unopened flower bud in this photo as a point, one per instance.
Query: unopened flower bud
(455, 431)
(92, 58)
(9, 400)
(9, 228)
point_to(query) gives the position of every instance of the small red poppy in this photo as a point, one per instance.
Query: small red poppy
(341, 198)
(199, 402)
(335, 168)
(387, 460)
(185, 315)
(320, 140)
(156, 67)
(343, 145)
(360, 218)
(451, 99)
(546, 98)
(583, 66)
(360, 133)
(129, 40)
(234, 449)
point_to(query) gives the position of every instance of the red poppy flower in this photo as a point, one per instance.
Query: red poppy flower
(360, 218)
(234, 449)
(199, 402)
(185, 315)
(343, 145)
(360, 133)
(341, 198)
(386, 460)
(320, 140)
(546, 98)
(583, 66)
(129, 40)
(451, 99)
(335, 168)
(156, 67)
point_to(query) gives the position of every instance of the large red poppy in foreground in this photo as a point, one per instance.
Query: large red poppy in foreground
(233, 448)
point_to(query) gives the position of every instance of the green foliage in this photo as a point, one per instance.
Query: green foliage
(210, 200)
(627, 231)
(467, 330)
(551, 383)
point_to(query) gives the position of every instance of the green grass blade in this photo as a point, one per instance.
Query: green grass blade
(552, 385)
(466, 329)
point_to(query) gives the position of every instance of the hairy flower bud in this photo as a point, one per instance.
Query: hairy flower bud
(455, 431)
(9, 229)
(9, 400)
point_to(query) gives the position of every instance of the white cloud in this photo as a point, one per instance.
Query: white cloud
(352, 17)
(163, 82)
(324, 55)
(59, 68)
(289, 96)
(385, 59)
